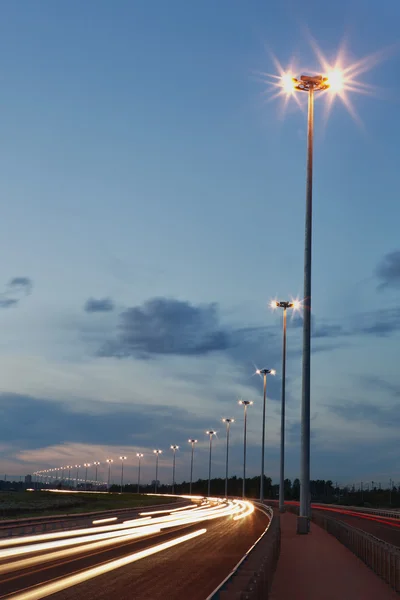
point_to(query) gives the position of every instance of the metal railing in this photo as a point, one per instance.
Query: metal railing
(251, 579)
(382, 558)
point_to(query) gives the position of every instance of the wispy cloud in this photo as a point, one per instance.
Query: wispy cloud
(93, 305)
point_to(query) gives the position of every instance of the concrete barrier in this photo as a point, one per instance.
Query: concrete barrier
(252, 577)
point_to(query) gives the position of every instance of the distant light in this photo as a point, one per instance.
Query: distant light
(272, 372)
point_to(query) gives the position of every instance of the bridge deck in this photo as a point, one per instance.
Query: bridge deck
(316, 566)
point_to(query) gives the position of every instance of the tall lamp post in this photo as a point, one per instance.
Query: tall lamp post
(96, 464)
(174, 449)
(310, 85)
(285, 305)
(210, 433)
(77, 467)
(140, 456)
(192, 443)
(122, 459)
(109, 461)
(245, 404)
(157, 453)
(264, 373)
(228, 422)
(69, 467)
(87, 465)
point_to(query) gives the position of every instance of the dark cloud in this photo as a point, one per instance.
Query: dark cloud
(381, 416)
(8, 302)
(163, 326)
(379, 323)
(93, 305)
(114, 424)
(18, 284)
(15, 287)
(388, 270)
(380, 385)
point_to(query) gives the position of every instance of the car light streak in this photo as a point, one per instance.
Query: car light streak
(29, 549)
(26, 563)
(168, 510)
(66, 582)
(105, 520)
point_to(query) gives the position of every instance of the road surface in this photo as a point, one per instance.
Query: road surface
(383, 528)
(167, 555)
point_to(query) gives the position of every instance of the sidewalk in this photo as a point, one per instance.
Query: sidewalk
(318, 567)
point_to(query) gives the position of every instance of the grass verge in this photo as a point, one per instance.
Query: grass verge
(19, 505)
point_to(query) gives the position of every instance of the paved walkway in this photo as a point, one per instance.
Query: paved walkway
(318, 567)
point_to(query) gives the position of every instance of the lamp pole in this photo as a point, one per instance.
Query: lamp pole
(109, 461)
(157, 453)
(140, 456)
(264, 373)
(192, 443)
(228, 422)
(210, 433)
(69, 467)
(284, 305)
(96, 464)
(86, 465)
(174, 449)
(122, 459)
(77, 473)
(245, 404)
(310, 85)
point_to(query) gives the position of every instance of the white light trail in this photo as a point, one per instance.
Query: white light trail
(42, 591)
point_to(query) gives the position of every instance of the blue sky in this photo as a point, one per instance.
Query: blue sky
(153, 204)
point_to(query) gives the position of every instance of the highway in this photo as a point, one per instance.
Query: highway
(164, 554)
(384, 528)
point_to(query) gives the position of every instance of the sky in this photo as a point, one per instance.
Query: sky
(153, 204)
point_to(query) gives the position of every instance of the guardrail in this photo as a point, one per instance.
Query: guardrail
(251, 579)
(382, 558)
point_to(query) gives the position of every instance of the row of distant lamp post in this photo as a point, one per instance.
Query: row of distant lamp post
(228, 422)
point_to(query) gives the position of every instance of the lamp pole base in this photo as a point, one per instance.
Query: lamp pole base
(303, 525)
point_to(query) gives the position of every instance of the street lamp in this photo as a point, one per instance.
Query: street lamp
(96, 464)
(157, 453)
(192, 442)
(210, 433)
(310, 85)
(245, 404)
(122, 458)
(77, 467)
(285, 305)
(263, 372)
(87, 465)
(109, 461)
(140, 456)
(174, 449)
(228, 428)
(69, 467)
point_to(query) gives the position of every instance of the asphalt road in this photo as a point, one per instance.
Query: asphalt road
(192, 569)
(380, 527)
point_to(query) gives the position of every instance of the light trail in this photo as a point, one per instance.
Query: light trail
(26, 563)
(30, 548)
(105, 520)
(57, 546)
(71, 580)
